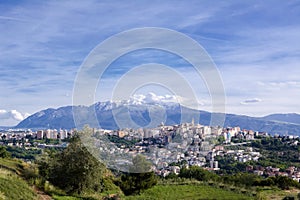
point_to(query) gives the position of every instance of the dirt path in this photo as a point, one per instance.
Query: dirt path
(41, 195)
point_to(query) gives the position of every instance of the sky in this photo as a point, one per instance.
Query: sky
(254, 45)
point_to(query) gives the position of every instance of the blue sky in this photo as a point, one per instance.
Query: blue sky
(255, 46)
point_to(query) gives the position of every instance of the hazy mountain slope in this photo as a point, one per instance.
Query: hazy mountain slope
(289, 118)
(49, 118)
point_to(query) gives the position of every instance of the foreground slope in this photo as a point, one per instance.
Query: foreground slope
(13, 186)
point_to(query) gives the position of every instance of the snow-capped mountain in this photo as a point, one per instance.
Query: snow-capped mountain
(144, 111)
(140, 100)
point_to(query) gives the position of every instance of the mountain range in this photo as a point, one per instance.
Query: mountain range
(134, 114)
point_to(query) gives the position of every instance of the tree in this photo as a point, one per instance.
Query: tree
(74, 170)
(3, 152)
(198, 173)
(285, 183)
(134, 183)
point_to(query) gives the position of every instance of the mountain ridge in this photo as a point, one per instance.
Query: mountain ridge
(142, 113)
(292, 118)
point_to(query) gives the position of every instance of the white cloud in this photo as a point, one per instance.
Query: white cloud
(12, 115)
(251, 101)
(153, 98)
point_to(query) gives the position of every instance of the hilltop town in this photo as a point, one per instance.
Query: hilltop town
(171, 147)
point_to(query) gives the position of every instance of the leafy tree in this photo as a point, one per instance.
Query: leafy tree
(244, 179)
(134, 183)
(264, 182)
(285, 183)
(282, 182)
(3, 152)
(198, 173)
(74, 170)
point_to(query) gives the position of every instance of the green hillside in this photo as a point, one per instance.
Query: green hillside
(12, 186)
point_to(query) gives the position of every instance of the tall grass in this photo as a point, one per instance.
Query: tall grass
(13, 187)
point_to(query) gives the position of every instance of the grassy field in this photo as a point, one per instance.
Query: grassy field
(13, 187)
(276, 194)
(11, 165)
(188, 192)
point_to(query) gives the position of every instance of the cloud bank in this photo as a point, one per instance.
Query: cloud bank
(13, 115)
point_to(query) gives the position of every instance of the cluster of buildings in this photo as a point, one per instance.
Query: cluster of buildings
(162, 145)
(53, 134)
(241, 155)
(167, 131)
(291, 172)
(20, 137)
(185, 129)
(191, 143)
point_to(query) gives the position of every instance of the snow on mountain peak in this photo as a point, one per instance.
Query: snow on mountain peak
(141, 99)
(152, 98)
